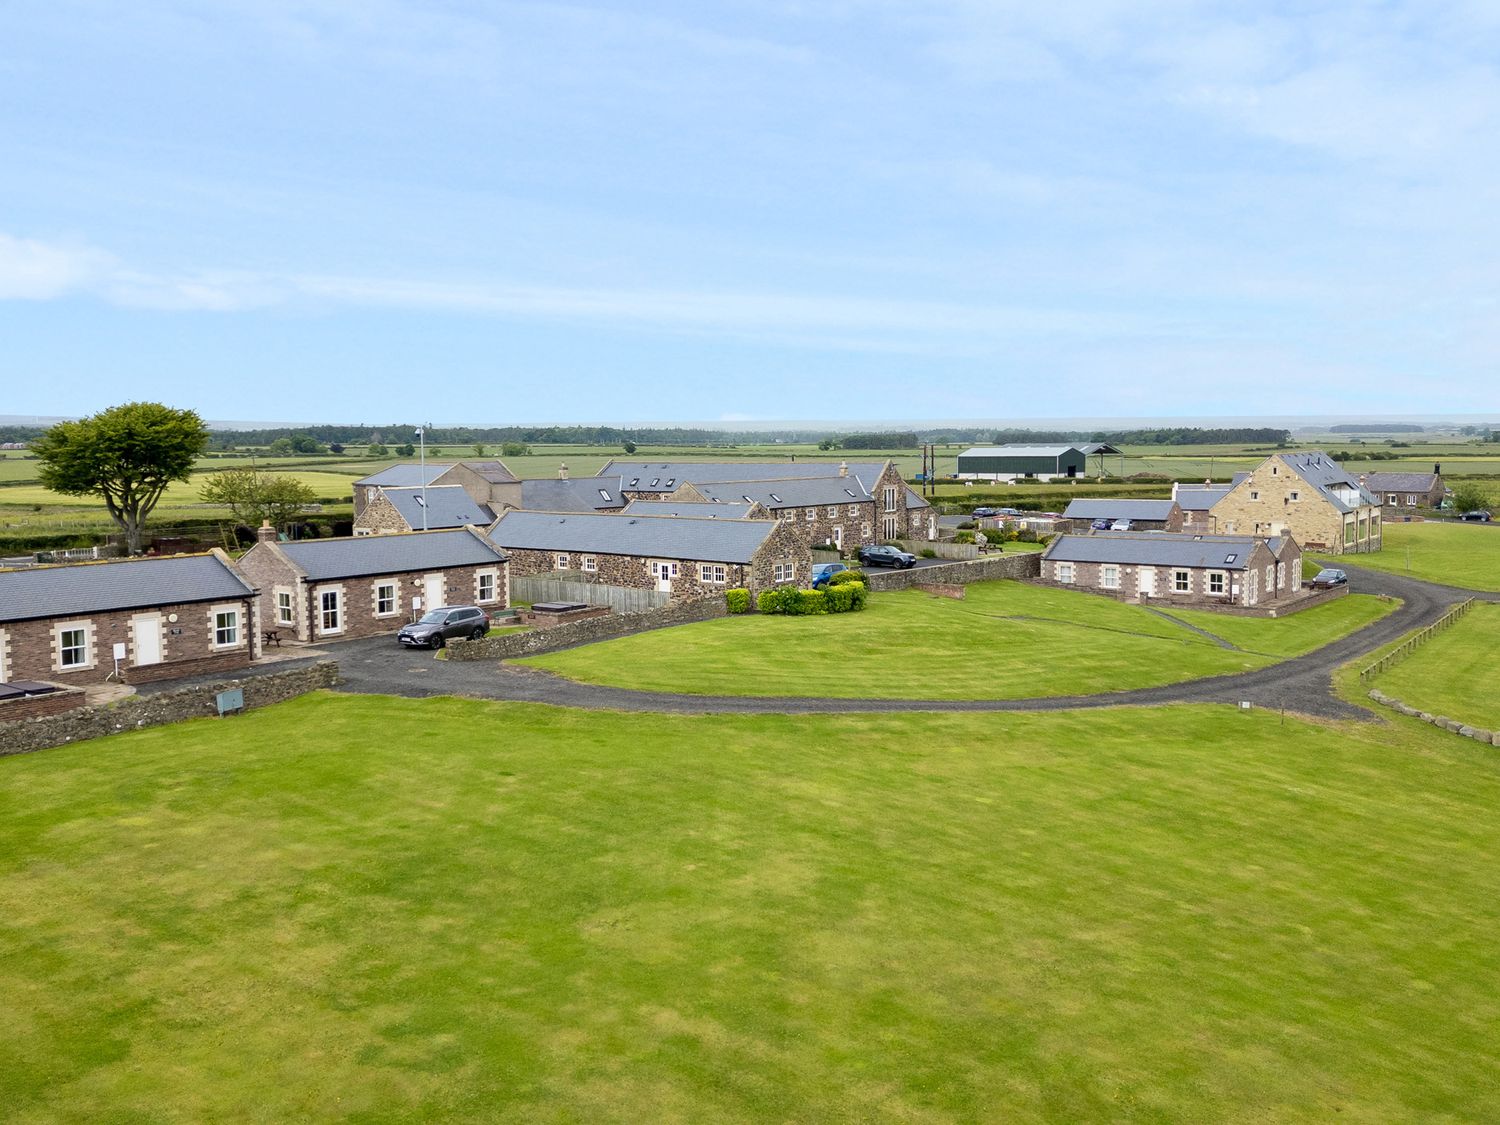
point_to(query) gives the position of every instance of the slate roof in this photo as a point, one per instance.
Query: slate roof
(1086, 509)
(1019, 450)
(804, 492)
(448, 505)
(1324, 473)
(1200, 499)
(578, 494)
(360, 555)
(652, 537)
(1401, 482)
(77, 591)
(643, 473)
(915, 501)
(1216, 552)
(493, 471)
(406, 475)
(711, 511)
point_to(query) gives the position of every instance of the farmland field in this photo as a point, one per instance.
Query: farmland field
(1454, 554)
(391, 910)
(1004, 640)
(1456, 673)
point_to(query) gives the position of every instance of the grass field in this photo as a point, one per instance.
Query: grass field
(382, 909)
(1005, 640)
(1455, 554)
(1455, 673)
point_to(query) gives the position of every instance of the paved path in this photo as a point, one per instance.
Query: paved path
(1304, 684)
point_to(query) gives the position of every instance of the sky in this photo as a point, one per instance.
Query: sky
(498, 213)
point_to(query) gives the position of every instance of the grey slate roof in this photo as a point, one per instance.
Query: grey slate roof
(1086, 509)
(804, 492)
(406, 475)
(77, 591)
(1217, 552)
(643, 473)
(1019, 450)
(447, 505)
(389, 554)
(731, 511)
(652, 537)
(1401, 482)
(578, 494)
(493, 471)
(1324, 473)
(913, 500)
(1200, 499)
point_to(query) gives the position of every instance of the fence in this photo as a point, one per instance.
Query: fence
(621, 599)
(534, 641)
(1414, 642)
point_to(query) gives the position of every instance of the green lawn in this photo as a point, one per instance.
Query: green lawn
(1295, 635)
(1004, 640)
(380, 909)
(1455, 673)
(1455, 554)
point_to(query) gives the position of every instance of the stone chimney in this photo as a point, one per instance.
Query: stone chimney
(562, 472)
(1174, 490)
(843, 468)
(265, 533)
(1437, 469)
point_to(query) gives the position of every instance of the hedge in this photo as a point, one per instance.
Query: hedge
(737, 601)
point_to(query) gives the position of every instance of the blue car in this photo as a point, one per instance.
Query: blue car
(822, 572)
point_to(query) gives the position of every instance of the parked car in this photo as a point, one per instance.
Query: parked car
(1328, 578)
(822, 572)
(887, 556)
(980, 513)
(1476, 516)
(1100, 525)
(438, 626)
(1120, 525)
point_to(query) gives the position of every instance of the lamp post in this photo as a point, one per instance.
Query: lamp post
(422, 440)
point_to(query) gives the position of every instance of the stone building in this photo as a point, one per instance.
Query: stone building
(1406, 490)
(395, 476)
(682, 556)
(698, 509)
(1179, 569)
(133, 620)
(1197, 504)
(1308, 496)
(434, 508)
(328, 589)
(821, 510)
(1141, 515)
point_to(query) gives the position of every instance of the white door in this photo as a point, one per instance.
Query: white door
(663, 573)
(838, 538)
(1146, 579)
(145, 632)
(432, 591)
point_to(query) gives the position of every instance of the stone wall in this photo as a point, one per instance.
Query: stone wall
(380, 515)
(35, 706)
(987, 569)
(139, 711)
(586, 632)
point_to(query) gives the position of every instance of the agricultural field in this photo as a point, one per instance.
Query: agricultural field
(1451, 553)
(1456, 672)
(392, 909)
(910, 644)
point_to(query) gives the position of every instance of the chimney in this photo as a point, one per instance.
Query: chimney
(1437, 469)
(265, 533)
(562, 472)
(843, 468)
(1174, 490)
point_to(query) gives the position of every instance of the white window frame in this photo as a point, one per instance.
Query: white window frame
(890, 498)
(4, 661)
(1254, 495)
(491, 576)
(337, 611)
(784, 572)
(1065, 573)
(1182, 581)
(864, 531)
(86, 649)
(286, 610)
(833, 511)
(561, 561)
(715, 573)
(590, 564)
(218, 629)
(789, 515)
(1217, 578)
(1294, 496)
(854, 509)
(812, 514)
(1109, 576)
(395, 599)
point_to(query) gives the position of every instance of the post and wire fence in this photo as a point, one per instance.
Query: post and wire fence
(1414, 642)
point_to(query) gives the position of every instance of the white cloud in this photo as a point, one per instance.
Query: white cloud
(40, 271)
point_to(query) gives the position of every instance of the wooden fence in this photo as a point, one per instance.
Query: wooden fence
(621, 599)
(1414, 642)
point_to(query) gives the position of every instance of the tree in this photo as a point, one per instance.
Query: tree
(127, 455)
(514, 449)
(1469, 497)
(478, 449)
(629, 447)
(281, 447)
(335, 447)
(407, 450)
(378, 450)
(254, 496)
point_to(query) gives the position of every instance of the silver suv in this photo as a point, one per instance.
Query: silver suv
(438, 626)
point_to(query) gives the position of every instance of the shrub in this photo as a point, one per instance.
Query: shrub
(927, 553)
(845, 577)
(963, 537)
(737, 601)
(768, 601)
(1026, 535)
(839, 599)
(967, 525)
(859, 595)
(812, 601)
(788, 600)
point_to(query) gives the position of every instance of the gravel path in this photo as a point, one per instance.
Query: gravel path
(1304, 684)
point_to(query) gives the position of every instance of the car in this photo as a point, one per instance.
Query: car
(1328, 578)
(437, 627)
(822, 572)
(887, 556)
(1120, 525)
(1476, 516)
(981, 513)
(1101, 525)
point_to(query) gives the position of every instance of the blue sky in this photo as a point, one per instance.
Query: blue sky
(842, 209)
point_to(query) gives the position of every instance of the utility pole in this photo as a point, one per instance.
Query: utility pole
(422, 439)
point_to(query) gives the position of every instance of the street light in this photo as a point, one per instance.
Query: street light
(422, 439)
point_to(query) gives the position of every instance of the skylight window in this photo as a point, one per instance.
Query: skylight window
(655, 481)
(776, 498)
(604, 494)
(1230, 558)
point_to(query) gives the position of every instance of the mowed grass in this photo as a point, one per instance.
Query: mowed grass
(390, 910)
(1456, 673)
(1455, 554)
(178, 494)
(1294, 635)
(1004, 640)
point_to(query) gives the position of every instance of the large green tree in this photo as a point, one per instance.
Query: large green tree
(254, 496)
(127, 455)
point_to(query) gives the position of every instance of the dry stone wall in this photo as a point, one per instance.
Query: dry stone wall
(576, 633)
(1027, 565)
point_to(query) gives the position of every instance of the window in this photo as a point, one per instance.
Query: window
(486, 586)
(890, 499)
(284, 608)
(330, 613)
(785, 572)
(1294, 495)
(226, 628)
(590, 564)
(1065, 572)
(1109, 576)
(1254, 495)
(385, 599)
(1273, 470)
(604, 495)
(560, 562)
(854, 509)
(788, 516)
(1215, 582)
(711, 572)
(1349, 531)
(833, 511)
(864, 531)
(1270, 577)
(888, 527)
(73, 647)
(1182, 582)
(812, 514)
(1411, 501)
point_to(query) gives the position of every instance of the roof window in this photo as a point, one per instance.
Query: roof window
(604, 494)
(1230, 558)
(776, 498)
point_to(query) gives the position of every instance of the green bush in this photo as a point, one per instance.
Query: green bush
(812, 601)
(927, 553)
(768, 601)
(963, 537)
(1026, 535)
(737, 601)
(844, 577)
(859, 596)
(839, 599)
